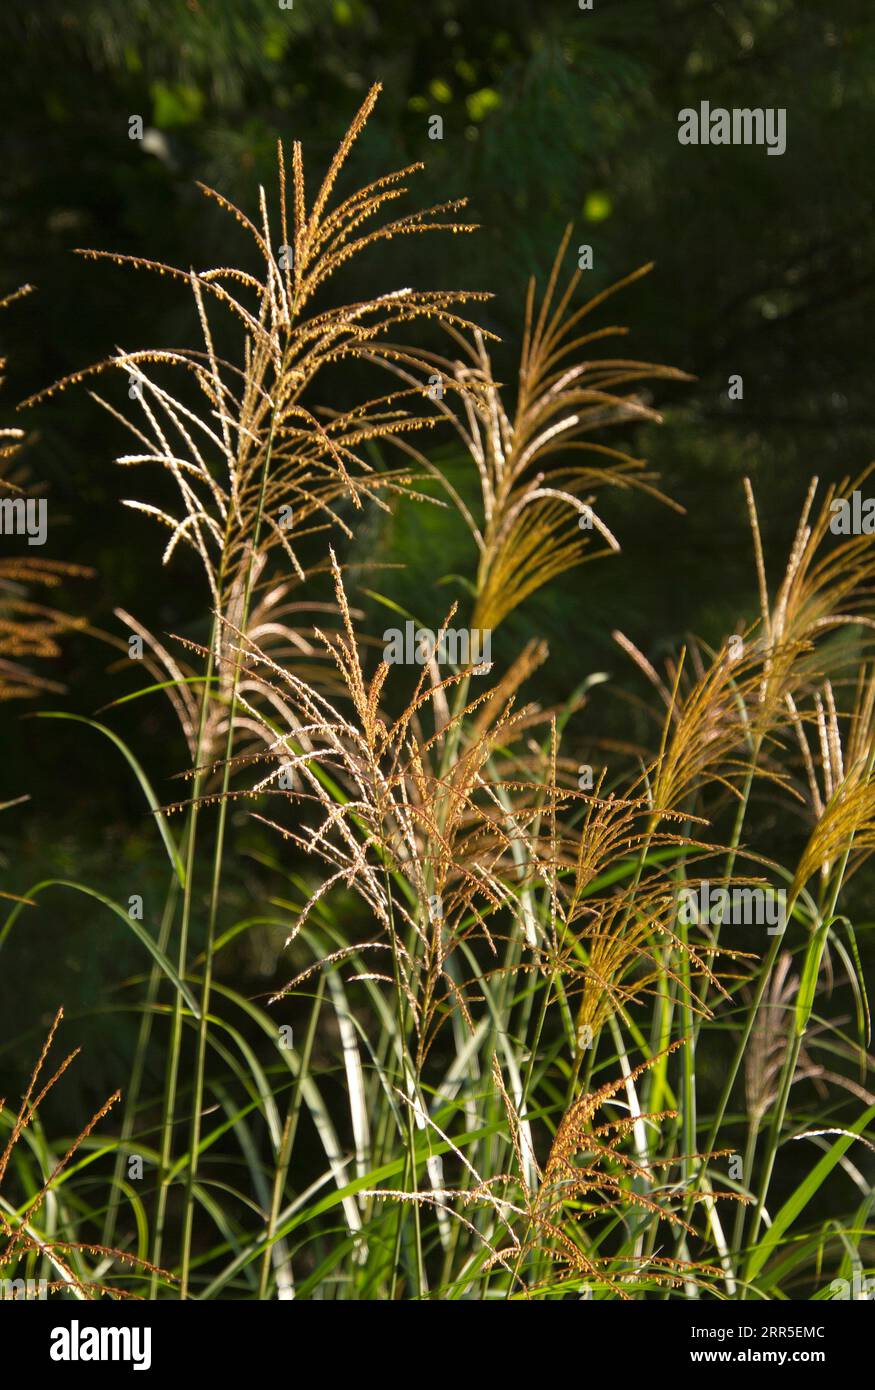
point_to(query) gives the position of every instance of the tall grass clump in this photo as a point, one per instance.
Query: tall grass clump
(498, 1055)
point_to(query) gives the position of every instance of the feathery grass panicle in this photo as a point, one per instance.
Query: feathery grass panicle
(28, 629)
(588, 1178)
(444, 834)
(474, 942)
(538, 518)
(19, 1229)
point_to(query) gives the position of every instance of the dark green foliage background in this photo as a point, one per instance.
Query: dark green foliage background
(764, 267)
